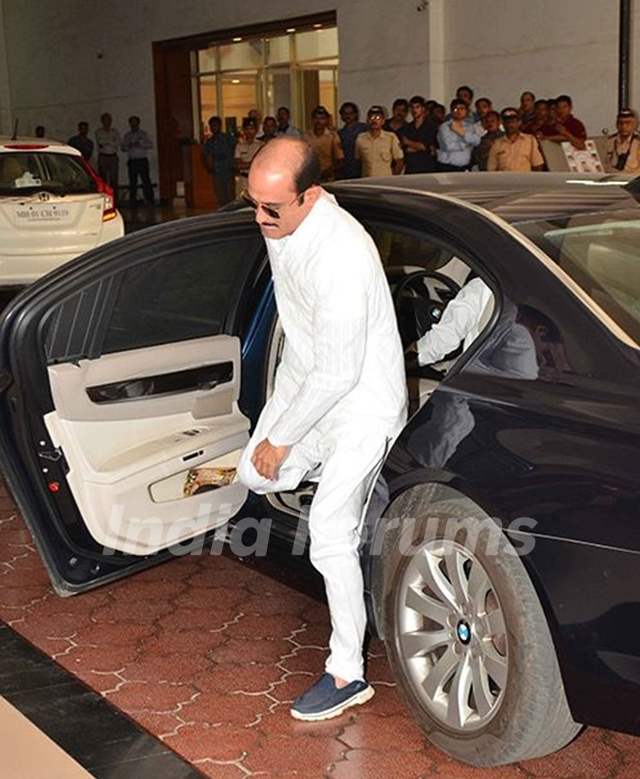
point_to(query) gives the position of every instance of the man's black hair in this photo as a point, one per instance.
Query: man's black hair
(484, 100)
(541, 101)
(564, 99)
(457, 101)
(349, 104)
(527, 92)
(400, 101)
(215, 119)
(464, 86)
(417, 99)
(284, 108)
(308, 172)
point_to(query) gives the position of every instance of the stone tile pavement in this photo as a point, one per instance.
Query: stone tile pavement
(207, 652)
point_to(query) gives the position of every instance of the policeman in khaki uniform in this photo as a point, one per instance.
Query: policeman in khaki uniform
(517, 151)
(378, 150)
(623, 148)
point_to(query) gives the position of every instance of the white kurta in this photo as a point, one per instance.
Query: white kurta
(462, 321)
(339, 399)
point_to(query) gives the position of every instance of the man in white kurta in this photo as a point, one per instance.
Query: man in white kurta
(340, 392)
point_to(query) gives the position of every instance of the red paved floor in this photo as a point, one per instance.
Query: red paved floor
(207, 652)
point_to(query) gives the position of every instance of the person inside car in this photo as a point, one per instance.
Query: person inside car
(461, 323)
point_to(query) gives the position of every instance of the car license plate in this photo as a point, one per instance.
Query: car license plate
(45, 212)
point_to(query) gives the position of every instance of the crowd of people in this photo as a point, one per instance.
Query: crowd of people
(419, 136)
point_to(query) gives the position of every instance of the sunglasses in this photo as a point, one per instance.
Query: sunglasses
(274, 213)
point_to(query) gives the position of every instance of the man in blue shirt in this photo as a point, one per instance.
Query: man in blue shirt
(456, 139)
(218, 158)
(350, 114)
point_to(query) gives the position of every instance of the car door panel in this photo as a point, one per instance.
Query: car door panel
(129, 458)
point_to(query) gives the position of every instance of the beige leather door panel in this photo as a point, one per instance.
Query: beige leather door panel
(128, 456)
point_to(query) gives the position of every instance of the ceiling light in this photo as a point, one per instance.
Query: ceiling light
(235, 80)
(317, 26)
(237, 40)
(290, 29)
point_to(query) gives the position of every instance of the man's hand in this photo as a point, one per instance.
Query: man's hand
(268, 458)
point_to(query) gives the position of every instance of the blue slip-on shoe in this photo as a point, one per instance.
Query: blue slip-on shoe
(324, 700)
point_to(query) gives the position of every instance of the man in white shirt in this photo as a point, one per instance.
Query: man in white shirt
(136, 143)
(108, 142)
(340, 391)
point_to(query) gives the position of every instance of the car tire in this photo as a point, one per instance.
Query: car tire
(525, 713)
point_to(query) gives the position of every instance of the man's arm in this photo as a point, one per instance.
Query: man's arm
(339, 343)
(459, 319)
(537, 160)
(397, 156)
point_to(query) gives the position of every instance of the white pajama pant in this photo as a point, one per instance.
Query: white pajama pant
(345, 458)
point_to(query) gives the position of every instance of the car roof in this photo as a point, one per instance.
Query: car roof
(516, 197)
(26, 144)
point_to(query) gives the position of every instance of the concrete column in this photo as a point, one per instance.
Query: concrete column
(436, 48)
(6, 119)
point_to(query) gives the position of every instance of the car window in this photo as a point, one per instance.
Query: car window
(185, 294)
(22, 171)
(188, 294)
(69, 172)
(401, 248)
(602, 255)
(19, 170)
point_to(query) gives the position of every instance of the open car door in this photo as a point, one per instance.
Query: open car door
(120, 373)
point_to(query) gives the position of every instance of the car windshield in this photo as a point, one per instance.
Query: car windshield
(22, 172)
(601, 253)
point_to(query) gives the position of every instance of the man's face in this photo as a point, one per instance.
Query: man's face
(134, 123)
(348, 115)
(439, 114)
(483, 107)
(375, 121)
(277, 191)
(269, 126)
(542, 113)
(250, 133)
(283, 117)
(400, 113)
(563, 109)
(83, 128)
(464, 94)
(459, 112)
(491, 122)
(215, 126)
(320, 123)
(526, 103)
(626, 125)
(106, 121)
(512, 123)
(417, 110)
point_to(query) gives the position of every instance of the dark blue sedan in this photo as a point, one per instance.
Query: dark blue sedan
(502, 544)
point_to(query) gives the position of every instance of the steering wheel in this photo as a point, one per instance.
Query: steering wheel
(420, 300)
